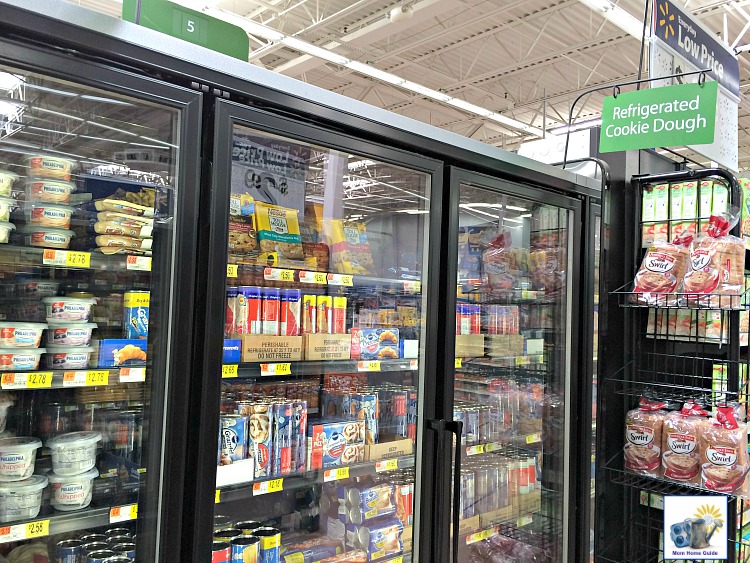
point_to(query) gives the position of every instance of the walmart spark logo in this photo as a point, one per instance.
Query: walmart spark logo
(666, 19)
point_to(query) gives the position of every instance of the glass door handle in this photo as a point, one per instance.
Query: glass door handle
(455, 427)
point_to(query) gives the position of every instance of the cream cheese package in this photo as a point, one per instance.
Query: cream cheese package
(50, 191)
(7, 179)
(43, 166)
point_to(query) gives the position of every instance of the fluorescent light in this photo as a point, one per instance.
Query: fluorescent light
(471, 108)
(576, 126)
(514, 208)
(424, 91)
(511, 219)
(315, 51)
(618, 16)
(9, 81)
(359, 164)
(515, 124)
(376, 73)
(526, 216)
(414, 211)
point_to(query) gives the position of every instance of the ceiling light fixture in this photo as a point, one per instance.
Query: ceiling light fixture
(618, 16)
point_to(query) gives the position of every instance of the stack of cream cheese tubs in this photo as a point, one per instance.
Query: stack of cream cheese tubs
(7, 204)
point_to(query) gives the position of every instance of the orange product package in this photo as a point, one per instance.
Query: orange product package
(661, 273)
(723, 446)
(681, 434)
(643, 438)
(716, 274)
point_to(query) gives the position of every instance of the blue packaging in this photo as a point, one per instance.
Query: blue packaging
(379, 343)
(135, 314)
(283, 415)
(69, 551)
(122, 353)
(311, 554)
(232, 351)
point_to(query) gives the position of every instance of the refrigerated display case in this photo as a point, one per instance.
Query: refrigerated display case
(322, 379)
(513, 363)
(94, 200)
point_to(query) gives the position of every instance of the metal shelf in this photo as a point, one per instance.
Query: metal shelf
(34, 256)
(316, 367)
(255, 488)
(723, 302)
(68, 379)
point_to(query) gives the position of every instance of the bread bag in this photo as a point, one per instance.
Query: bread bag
(681, 433)
(723, 448)
(643, 438)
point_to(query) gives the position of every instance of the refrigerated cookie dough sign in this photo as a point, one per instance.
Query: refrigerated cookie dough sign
(659, 117)
(270, 170)
(695, 528)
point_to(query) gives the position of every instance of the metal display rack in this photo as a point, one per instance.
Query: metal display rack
(696, 360)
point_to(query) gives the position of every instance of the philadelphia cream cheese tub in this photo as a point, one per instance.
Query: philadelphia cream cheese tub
(67, 357)
(22, 499)
(69, 333)
(68, 308)
(20, 335)
(17, 457)
(7, 204)
(51, 191)
(73, 453)
(46, 237)
(7, 179)
(49, 215)
(72, 492)
(5, 229)
(44, 166)
(20, 359)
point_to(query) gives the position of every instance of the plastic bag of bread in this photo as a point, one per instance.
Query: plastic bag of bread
(681, 433)
(501, 265)
(547, 269)
(661, 272)
(716, 274)
(723, 446)
(643, 438)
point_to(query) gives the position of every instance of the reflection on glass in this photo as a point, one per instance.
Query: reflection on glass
(510, 375)
(319, 405)
(87, 179)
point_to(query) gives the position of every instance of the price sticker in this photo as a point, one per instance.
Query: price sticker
(534, 438)
(232, 270)
(66, 258)
(276, 274)
(528, 294)
(123, 513)
(229, 370)
(491, 447)
(412, 287)
(414, 365)
(522, 360)
(335, 474)
(386, 465)
(459, 362)
(475, 450)
(132, 375)
(399, 559)
(373, 365)
(266, 487)
(340, 279)
(37, 380)
(276, 369)
(19, 532)
(481, 536)
(138, 263)
(524, 520)
(217, 498)
(85, 378)
(313, 277)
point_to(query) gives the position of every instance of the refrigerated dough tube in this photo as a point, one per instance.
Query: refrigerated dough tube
(144, 231)
(124, 207)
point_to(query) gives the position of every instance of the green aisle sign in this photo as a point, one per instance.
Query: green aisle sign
(192, 26)
(684, 114)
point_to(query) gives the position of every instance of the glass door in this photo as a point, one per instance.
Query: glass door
(513, 363)
(90, 227)
(320, 391)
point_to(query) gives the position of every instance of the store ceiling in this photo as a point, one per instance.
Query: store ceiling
(521, 58)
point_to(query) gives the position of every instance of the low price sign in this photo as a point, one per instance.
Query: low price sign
(684, 114)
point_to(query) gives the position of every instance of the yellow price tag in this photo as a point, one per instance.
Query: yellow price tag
(232, 270)
(133, 511)
(78, 259)
(97, 378)
(459, 362)
(217, 499)
(37, 529)
(524, 521)
(522, 360)
(533, 438)
(335, 474)
(386, 465)
(286, 275)
(39, 380)
(313, 277)
(275, 485)
(475, 450)
(491, 447)
(275, 369)
(229, 371)
(373, 365)
(399, 559)
(8, 379)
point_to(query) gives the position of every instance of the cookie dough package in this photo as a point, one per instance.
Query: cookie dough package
(643, 438)
(350, 248)
(723, 448)
(278, 231)
(715, 276)
(661, 273)
(681, 434)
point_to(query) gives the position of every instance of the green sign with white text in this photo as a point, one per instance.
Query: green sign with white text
(192, 26)
(684, 114)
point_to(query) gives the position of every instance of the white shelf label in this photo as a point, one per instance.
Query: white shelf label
(36, 380)
(123, 513)
(277, 274)
(340, 279)
(275, 369)
(85, 378)
(139, 263)
(412, 287)
(27, 531)
(272, 486)
(335, 474)
(67, 258)
(370, 365)
(414, 365)
(132, 375)
(313, 277)
(386, 465)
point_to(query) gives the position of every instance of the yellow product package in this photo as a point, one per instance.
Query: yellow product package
(350, 249)
(278, 231)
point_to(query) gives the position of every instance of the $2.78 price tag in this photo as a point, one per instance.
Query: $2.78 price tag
(37, 380)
